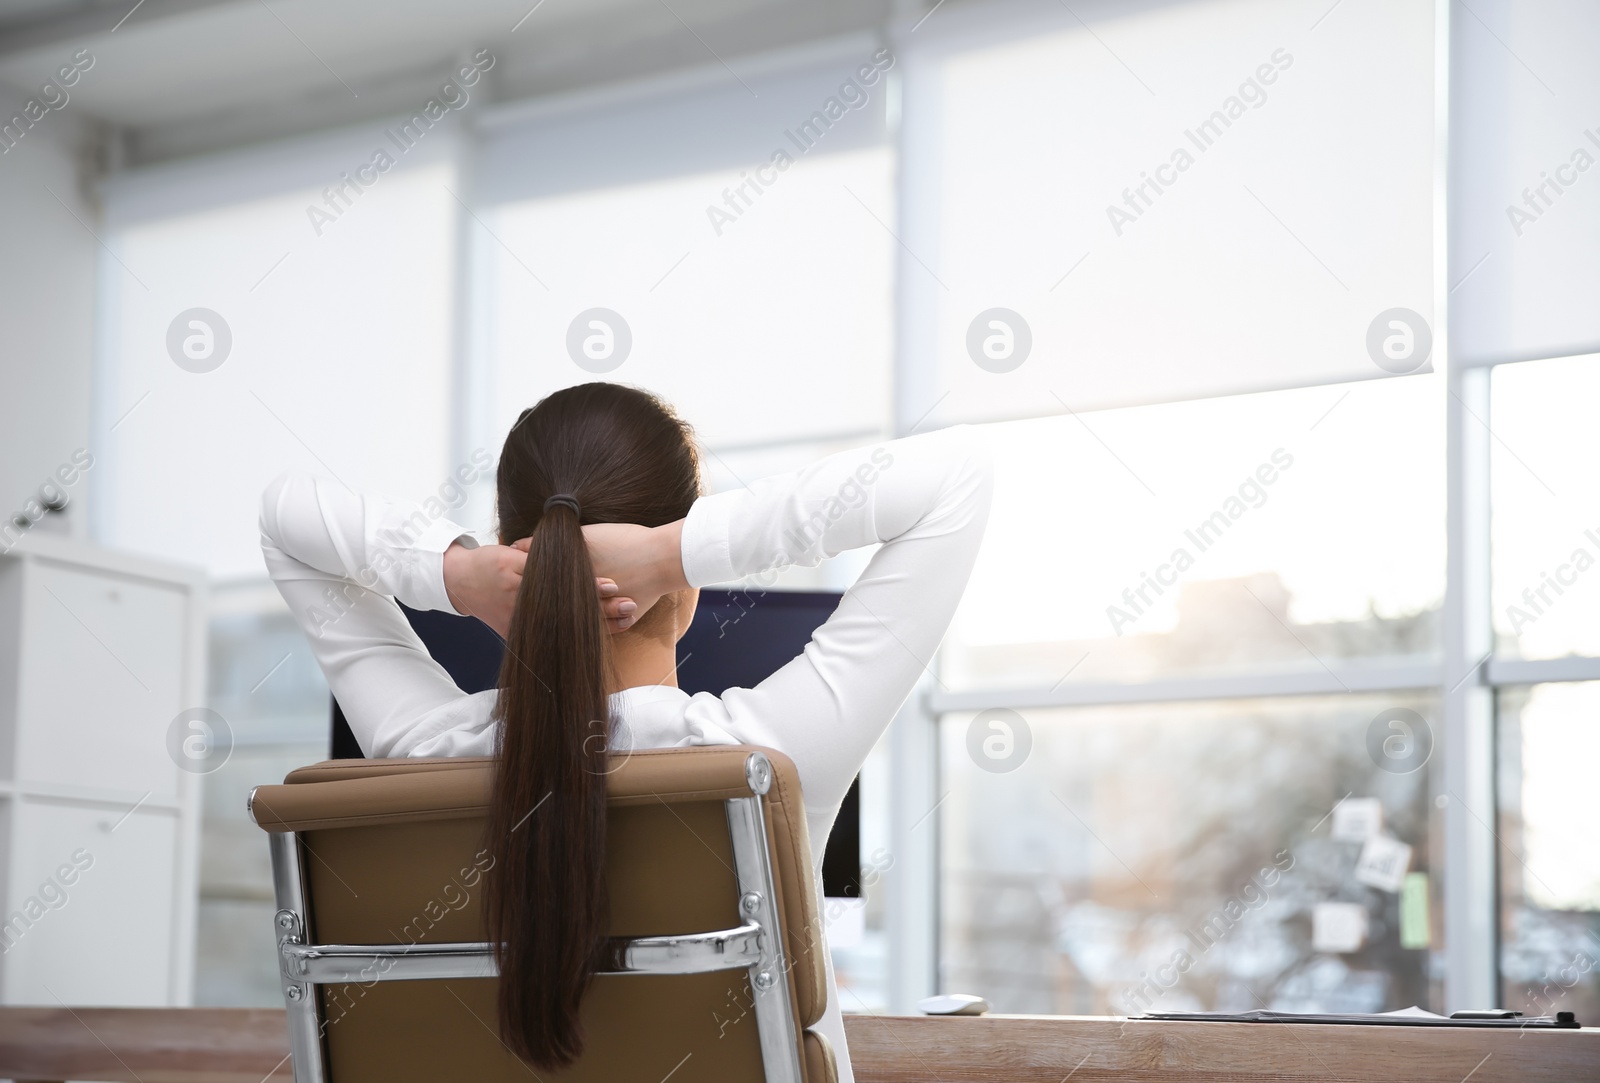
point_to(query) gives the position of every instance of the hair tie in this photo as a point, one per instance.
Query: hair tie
(566, 500)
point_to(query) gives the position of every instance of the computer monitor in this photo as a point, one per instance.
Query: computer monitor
(737, 640)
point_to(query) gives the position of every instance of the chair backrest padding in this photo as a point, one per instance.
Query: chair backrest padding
(394, 853)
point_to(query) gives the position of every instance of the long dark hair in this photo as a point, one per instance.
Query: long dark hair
(626, 458)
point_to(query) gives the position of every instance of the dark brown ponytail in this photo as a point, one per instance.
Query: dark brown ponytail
(623, 457)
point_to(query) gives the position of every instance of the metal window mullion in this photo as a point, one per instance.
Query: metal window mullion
(1506, 671)
(1463, 773)
(912, 884)
(1466, 770)
(1400, 675)
(912, 888)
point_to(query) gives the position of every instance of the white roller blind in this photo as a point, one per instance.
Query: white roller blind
(334, 348)
(1525, 180)
(667, 232)
(1165, 201)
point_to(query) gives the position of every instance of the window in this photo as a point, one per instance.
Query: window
(1218, 855)
(240, 340)
(1192, 549)
(638, 243)
(1282, 530)
(326, 352)
(1157, 202)
(712, 261)
(1549, 865)
(698, 315)
(1546, 528)
(1546, 541)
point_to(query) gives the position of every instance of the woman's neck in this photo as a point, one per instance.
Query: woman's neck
(640, 661)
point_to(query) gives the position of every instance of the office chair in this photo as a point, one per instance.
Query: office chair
(378, 868)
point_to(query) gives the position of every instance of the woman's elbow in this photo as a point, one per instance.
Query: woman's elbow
(272, 501)
(975, 474)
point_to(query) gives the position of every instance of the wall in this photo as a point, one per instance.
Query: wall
(47, 298)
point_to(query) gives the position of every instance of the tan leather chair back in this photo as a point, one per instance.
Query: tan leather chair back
(382, 864)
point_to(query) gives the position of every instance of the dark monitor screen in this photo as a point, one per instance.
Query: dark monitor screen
(737, 640)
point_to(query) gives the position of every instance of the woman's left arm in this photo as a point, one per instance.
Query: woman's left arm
(924, 500)
(340, 559)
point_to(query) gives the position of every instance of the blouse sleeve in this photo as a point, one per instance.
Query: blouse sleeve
(340, 560)
(926, 500)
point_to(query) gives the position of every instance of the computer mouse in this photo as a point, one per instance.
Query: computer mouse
(953, 1004)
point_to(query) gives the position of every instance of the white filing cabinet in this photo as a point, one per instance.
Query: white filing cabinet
(99, 826)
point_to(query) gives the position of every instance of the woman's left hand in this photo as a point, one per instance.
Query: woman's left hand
(484, 582)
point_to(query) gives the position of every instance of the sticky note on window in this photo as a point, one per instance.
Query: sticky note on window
(1338, 927)
(1356, 819)
(1383, 863)
(1414, 929)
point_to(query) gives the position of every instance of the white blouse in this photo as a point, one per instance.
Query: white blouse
(338, 558)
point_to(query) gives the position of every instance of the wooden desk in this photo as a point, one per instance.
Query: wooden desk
(152, 1045)
(1085, 1049)
(224, 1045)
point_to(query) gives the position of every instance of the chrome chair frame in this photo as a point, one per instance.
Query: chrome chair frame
(755, 947)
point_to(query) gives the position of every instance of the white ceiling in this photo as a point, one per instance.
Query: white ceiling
(182, 76)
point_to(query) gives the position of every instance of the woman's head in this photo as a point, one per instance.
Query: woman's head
(622, 456)
(621, 452)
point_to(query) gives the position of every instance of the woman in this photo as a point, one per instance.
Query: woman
(605, 539)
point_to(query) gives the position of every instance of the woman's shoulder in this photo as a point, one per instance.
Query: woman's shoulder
(663, 716)
(461, 727)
